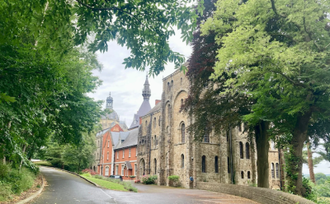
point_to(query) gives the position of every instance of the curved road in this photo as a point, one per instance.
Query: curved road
(63, 187)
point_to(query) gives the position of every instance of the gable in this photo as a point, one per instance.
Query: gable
(116, 128)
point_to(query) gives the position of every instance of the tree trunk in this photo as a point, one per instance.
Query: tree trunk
(262, 144)
(310, 163)
(24, 148)
(294, 159)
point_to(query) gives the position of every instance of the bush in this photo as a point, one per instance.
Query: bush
(14, 181)
(90, 171)
(149, 179)
(309, 192)
(174, 181)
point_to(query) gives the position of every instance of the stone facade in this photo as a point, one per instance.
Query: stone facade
(165, 148)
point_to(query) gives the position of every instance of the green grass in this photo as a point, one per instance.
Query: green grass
(42, 163)
(105, 184)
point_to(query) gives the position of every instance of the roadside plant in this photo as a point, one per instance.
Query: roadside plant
(149, 179)
(174, 180)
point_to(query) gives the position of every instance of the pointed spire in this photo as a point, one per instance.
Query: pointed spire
(146, 93)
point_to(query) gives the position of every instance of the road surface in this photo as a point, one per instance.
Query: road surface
(65, 188)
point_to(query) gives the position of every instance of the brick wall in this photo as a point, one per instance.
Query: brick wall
(261, 195)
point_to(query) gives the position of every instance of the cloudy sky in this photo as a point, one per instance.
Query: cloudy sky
(126, 85)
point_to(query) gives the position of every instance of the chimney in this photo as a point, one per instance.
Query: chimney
(157, 101)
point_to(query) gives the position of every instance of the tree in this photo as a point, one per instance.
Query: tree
(282, 49)
(220, 112)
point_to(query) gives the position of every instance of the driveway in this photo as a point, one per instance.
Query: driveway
(63, 187)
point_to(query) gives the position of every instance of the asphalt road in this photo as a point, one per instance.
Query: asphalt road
(63, 188)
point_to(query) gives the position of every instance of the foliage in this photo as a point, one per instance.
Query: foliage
(72, 157)
(89, 171)
(146, 179)
(174, 180)
(14, 181)
(310, 193)
(323, 189)
(279, 52)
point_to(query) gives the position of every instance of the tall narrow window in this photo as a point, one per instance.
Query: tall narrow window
(107, 155)
(182, 161)
(129, 152)
(159, 121)
(135, 169)
(228, 164)
(203, 164)
(117, 170)
(242, 174)
(146, 127)
(183, 132)
(216, 166)
(247, 150)
(123, 153)
(273, 173)
(106, 171)
(155, 163)
(122, 170)
(154, 122)
(277, 172)
(241, 150)
(206, 138)
(249, 175)
(108, 143)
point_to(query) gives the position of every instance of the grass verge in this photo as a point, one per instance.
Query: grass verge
(14, 181)
(112, 184)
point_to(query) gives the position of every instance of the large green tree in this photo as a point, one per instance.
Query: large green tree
(281, 47)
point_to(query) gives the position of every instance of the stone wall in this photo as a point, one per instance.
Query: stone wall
(260, 195)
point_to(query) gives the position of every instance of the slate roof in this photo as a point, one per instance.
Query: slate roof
(123, 124)
(117, 137)
(131, 139)
(155, 108)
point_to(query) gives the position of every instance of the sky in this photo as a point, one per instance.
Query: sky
(126, 85)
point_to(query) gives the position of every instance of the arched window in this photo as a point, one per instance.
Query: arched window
(168, 86)
(155, 163)
(172, 83)
(241, 150)
(247, 150)
(154, 122)
(146, 128)
(277, 172)
(168, 110)
(249, 175)
(183, 133)
(203, 164)
(182, 161)
(159, 121)
(242, 174)
(273, 173)
(216, 166)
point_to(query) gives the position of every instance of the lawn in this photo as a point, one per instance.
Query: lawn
(106, 184)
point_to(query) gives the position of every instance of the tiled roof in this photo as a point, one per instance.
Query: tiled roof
(117, 137)
(130, 140)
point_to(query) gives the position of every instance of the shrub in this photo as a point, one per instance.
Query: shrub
(149, 179)
(14, 181)
(174, 181)
(90, 171)
(309, 192)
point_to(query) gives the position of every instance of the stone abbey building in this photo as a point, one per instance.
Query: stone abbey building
(165, 148)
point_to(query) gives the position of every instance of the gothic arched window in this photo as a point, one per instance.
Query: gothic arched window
(155, 163)
(182, 161)
(247, 150)
(249, 175)
(273, 173)
(203, 164)
(241, 153)
(183, 133)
